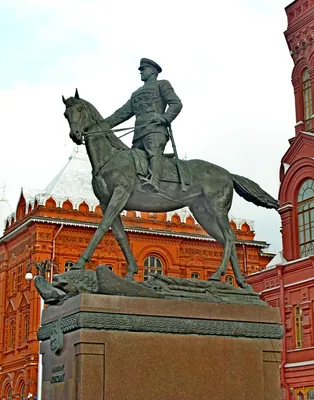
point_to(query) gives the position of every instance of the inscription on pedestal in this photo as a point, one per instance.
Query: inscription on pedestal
(57, 374)
(56, 339)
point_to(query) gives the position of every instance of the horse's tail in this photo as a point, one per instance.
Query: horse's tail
(253, 193)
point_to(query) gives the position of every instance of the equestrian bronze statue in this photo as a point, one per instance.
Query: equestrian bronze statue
(117, 181)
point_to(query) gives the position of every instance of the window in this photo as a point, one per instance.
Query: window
(23, 391)
(152, 265)
(229, 279)
(110, 267)
(298, 327)
(12, 333)
(68, 265)
(26, 328)
(305, 206)
(307, 99)
(19, 277)
(9, 393)
(305, 393)
(14, 282)
(195, 275)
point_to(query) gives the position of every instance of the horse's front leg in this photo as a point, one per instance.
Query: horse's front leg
(119, 233)
(117, 202)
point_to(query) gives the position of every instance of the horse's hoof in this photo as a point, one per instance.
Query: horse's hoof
(129, 276)
(78, 265)
(246, 286)
(215, 277)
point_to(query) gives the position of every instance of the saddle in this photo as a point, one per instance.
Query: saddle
(169, 167)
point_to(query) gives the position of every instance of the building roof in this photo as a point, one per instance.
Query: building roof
(5, 210)
(74, 181)
(277, 260)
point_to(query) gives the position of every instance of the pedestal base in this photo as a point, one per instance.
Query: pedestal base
(116, 348)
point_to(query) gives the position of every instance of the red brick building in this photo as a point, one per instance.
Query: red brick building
(57, 223)
(289, 282)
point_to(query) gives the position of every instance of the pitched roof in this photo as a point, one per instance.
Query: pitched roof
(277, 260)
(5, 210)
(73, 182)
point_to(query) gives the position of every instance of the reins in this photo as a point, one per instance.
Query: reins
(86, 134)
(131, 129)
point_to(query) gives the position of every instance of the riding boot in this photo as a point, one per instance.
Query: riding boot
(155, 166)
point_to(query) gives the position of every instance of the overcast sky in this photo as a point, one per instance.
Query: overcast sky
(227, 60)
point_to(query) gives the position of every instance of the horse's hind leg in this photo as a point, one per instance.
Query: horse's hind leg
(210, 225)
(218, 205)
(237, 272)
(229, 239)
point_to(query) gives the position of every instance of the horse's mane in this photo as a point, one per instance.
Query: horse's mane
(97, 117)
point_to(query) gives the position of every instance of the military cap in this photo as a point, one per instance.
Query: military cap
(146, 62)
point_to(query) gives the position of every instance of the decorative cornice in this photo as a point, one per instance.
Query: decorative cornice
(285, 207)
(302, 139)
(182, 235)
(156, 324)
(297, 25)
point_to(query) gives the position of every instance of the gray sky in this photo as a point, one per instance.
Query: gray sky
(228, 61)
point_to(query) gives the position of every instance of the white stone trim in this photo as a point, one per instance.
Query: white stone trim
(299, 364)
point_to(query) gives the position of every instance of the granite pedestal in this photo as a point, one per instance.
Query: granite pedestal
(98, 347)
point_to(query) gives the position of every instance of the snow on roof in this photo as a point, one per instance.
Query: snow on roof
(73, 182)
(277, 260)
(5, 210)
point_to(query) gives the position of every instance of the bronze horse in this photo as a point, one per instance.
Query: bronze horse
(117, 186)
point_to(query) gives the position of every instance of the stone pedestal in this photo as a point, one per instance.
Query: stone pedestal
(118, 348)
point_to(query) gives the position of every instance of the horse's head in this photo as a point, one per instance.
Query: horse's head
(82, 116)
(79, 116)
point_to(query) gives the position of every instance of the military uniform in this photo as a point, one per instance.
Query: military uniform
(153, 99)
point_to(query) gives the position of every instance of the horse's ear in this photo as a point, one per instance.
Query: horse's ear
(76, 94)
(64, 101)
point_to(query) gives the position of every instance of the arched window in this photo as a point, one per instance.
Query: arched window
(305, 206)
(229, 279)
(195, 275)
(23, 391)
(152, 265)
(307, 99)
(310, 395)
(68, 265)
(300, 396)
(9, 393)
